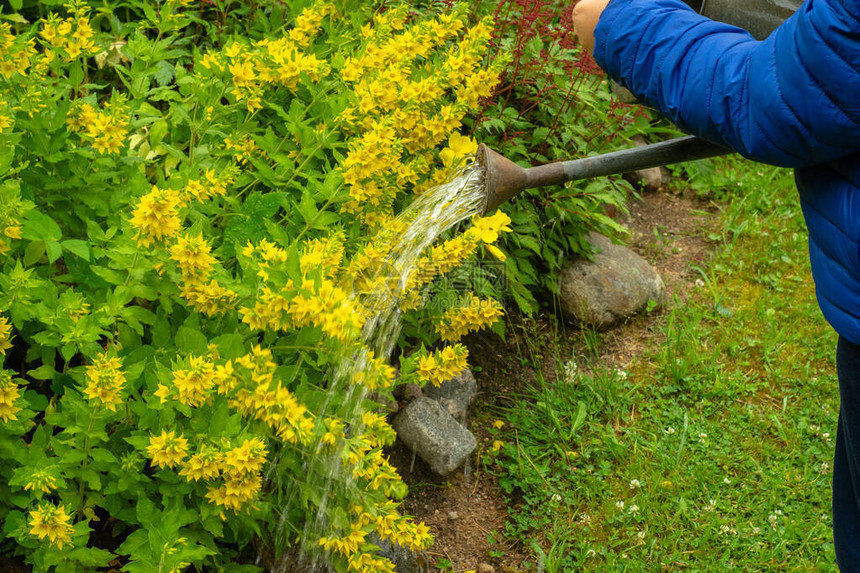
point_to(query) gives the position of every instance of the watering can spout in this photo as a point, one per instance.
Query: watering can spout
(504, 179)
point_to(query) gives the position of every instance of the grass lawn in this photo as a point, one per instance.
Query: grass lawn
(713, 450)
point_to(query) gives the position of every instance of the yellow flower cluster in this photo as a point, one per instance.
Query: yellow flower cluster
(167, 450)
(205, 464)
(324, 255)
(244, 149)
(15, 54)
(5, 335)
(209, 298)
(307, 24)
(449, 254)
(9, 394)
(389, 525)
(41, 480)
(474, 315)
(376, 373)
(252, 68)
(156, 220)
(409, 96)
(53, 522)
(319, 303)
(156, 216)
(193, 254)
(443, 364)
(106, 129)
(6, 116)
(105, 380)
(252, 388)
(210, 185)
(239, 468)
(241, 471)
(194, 383)
(73, 36)
(11, 211)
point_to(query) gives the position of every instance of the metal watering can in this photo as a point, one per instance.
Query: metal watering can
(505, 179)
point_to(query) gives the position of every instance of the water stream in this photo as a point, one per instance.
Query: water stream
(427, 217)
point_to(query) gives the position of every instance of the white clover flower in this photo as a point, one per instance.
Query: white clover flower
(569, 372)
(712, 504)
(555, 497)
(619, 505)
(727, 481)
(669, 431)
(635, 484)
(633, 509)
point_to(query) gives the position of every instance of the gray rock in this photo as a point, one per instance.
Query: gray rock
(455, 395)
(617, 284)
(434, 435)
(407, 392)
(650, 179)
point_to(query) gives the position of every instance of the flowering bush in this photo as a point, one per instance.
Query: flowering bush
(184, 235)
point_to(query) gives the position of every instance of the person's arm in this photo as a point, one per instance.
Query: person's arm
(792, 99)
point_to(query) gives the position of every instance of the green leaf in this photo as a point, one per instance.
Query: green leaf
(190, 341)
(54, 250)
(157, 132)
(78, 247)
(263, 204)
(40, 227)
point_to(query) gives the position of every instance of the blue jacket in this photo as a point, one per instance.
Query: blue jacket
(791, 100)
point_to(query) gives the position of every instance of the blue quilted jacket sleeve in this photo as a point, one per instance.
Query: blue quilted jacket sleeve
(791, 100)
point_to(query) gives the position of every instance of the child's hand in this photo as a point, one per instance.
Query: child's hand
(586, 13)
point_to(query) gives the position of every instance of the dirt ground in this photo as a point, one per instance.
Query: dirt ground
(467, 510)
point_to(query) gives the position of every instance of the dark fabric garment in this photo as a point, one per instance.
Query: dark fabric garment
(846, 463)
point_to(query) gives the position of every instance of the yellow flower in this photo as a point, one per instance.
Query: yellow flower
(41, 480)
(487, 229)
(52, 522)
(496, 252)
(195, 382)
(9, 394)
(205, 464)
(497, 445)
(155, 217)
(498, 424)
(209, 298)
(245, 459)
(105, 380)
(5, 335)
(443, 364)
(193, 255)
(459, 146)
(167, 450)
(474, 315)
